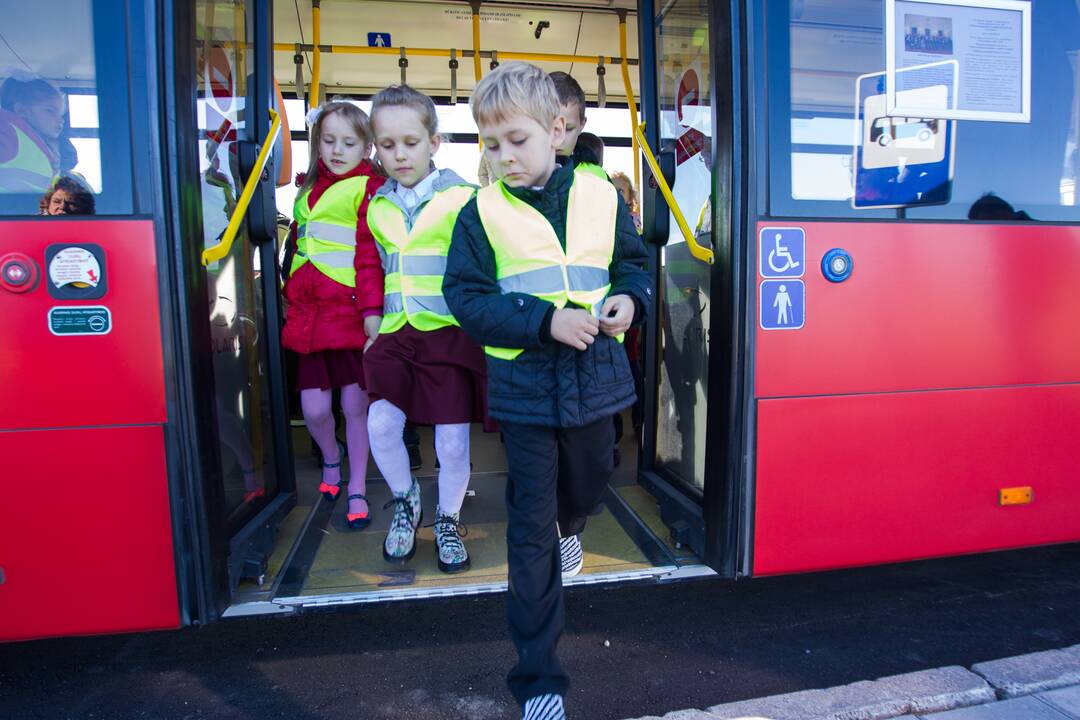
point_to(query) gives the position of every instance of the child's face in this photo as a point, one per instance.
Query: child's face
(340, 147)
(522, 151)
(575, 123)
(45, 116)
(403, 144)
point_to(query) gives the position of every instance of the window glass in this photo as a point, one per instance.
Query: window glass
(818, 50)
(58, 154)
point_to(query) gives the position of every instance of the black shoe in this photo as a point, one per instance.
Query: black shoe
(415, 459)
(617, 457)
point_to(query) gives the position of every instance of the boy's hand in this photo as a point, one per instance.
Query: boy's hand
(371, 329)
(574, 327)
(616, 314)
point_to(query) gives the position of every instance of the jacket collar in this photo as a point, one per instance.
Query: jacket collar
(444, 180)
(559, 182)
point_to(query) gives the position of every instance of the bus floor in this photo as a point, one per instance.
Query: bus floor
(318, 559)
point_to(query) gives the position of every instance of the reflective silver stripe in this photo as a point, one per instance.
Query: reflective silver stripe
(301, 230)
(391, 263)
(339, 234)
(335, 259)
(428, 303)
(583, 277)
(424, 265)
(392, 303)
(542, 281)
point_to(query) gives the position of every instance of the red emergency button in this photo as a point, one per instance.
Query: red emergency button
(18, 273)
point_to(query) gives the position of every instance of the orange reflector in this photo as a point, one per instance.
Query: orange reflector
(1015, 495)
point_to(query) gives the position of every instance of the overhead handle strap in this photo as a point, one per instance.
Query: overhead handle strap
(453, 76)
(298, 61)
(403, 63)
(601, 88)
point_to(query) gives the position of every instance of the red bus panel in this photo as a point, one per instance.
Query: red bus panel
(863, 479)
(941, 371)
(116, 378)
(85, 534)
(930, 306)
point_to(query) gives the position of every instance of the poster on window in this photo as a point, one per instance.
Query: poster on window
(903, 161)
(990, 42)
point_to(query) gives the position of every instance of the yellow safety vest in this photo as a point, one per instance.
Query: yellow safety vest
(529, 258)
(593, 169)
(326, 233)
(29, 170)
(414, 261)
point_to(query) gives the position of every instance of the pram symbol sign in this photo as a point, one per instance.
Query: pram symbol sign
(781, 252)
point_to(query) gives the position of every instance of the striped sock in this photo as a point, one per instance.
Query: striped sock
(544, 707)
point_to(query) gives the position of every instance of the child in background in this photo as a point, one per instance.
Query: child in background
(423, 367)
(572, 108)
(335, 294)
(545, 269)
(626, 188)
(32, 149)
(591, 144)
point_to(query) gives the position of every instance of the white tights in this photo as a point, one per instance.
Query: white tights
(385, 425)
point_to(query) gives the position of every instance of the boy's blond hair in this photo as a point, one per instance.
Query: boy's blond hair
(515, 88)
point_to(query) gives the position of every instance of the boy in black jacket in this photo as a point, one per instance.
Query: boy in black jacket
(546, 270)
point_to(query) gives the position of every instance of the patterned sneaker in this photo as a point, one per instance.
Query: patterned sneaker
(544, 707)
(453, 558)
(570, 554)
(400, 543)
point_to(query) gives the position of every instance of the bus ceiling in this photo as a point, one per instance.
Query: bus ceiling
(360, 43)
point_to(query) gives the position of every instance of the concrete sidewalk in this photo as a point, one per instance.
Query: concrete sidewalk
(1039, 686)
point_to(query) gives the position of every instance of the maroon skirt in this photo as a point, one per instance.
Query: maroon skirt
(330, 369)
(435, 378)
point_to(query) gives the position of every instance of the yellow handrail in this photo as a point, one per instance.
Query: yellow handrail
(476, 39)
(316, 63)
(701, 252)
(461, 53)
(631, 102)
(222, 249)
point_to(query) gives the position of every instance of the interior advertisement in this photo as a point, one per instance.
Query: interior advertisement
(990, 42)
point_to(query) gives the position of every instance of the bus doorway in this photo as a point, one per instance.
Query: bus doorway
(313, 558)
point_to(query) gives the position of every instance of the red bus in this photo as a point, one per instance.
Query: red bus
(838, 373)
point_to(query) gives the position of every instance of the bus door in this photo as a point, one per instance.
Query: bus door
(686, 107)
(246, 483)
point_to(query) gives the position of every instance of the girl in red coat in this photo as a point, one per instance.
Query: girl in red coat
(335, 294)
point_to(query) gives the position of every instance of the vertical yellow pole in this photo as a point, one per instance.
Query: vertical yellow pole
(631, 101)
(476, 38)
(316, 63)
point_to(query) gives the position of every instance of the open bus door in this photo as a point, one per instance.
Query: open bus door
(243, 484)
(690, 457)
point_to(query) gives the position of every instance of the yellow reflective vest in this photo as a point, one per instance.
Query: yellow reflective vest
(529, 257)
(326, 233)
(414, 260)
(29, 169)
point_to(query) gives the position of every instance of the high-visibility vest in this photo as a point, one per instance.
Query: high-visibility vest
(594, 169)
(326, 233)
(529, 258)
(29, 170)
(414, 261)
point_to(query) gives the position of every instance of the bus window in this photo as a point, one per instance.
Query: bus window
(58, 156)
(816, 51)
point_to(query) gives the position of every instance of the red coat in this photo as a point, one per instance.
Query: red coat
(323, 314)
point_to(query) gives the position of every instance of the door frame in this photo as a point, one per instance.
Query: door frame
(710, 520)
(212, 554)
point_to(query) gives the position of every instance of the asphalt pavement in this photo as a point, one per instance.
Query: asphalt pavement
(632, 650)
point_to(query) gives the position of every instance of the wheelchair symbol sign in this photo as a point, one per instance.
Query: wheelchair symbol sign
(781, 252)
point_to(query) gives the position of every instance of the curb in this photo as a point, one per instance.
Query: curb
(924, 691)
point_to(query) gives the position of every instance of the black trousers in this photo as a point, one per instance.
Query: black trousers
(556, 475)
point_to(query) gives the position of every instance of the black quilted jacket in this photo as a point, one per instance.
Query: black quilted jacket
(550, 384)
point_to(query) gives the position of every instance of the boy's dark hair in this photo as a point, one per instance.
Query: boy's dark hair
(570, 92)
(591, 145)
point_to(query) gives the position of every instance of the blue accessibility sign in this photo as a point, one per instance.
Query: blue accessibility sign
(782, 304)
(378, 40)
(782, 252)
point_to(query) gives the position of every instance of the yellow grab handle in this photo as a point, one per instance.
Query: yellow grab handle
(699, 251)
(222, 248)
